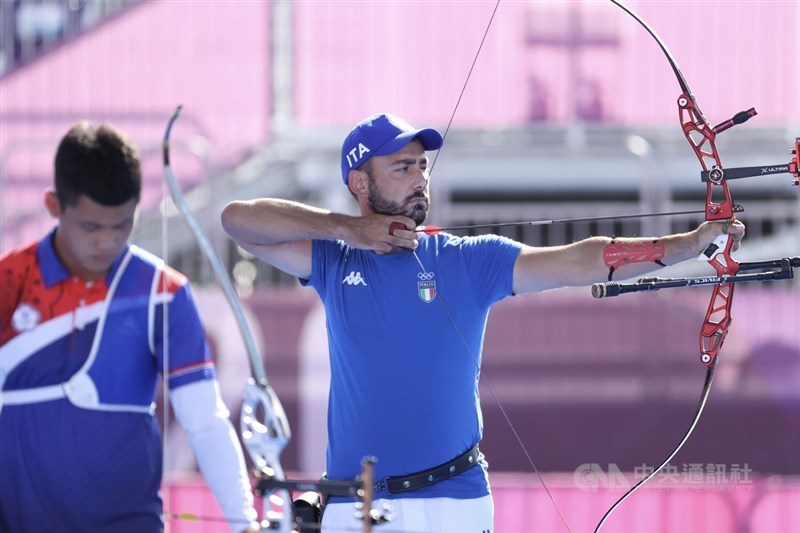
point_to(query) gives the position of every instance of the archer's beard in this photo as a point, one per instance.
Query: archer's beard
(414, 206)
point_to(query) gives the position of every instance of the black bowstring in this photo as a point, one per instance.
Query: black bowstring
(446, 309)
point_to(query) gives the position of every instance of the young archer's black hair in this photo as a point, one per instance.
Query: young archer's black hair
(101, 163)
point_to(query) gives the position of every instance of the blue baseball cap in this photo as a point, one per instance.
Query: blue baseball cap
(382, 135)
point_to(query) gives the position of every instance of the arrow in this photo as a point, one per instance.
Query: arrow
(435, 230)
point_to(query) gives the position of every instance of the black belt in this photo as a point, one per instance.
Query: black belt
(398, 484)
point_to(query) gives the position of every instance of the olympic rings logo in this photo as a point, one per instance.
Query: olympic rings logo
(425, 276)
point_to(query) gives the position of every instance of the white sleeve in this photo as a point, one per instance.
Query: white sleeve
(200, 410)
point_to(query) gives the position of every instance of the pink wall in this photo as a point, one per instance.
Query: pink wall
(132, 71)
(355, 58)
(212, 57)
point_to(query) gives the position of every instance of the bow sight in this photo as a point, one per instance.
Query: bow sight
(793, 168)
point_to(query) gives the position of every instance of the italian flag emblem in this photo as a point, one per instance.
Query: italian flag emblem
(426, 290)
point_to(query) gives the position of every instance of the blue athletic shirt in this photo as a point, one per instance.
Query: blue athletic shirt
(404, 388)
(93, 469)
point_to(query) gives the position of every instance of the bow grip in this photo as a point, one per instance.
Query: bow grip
(712, 250)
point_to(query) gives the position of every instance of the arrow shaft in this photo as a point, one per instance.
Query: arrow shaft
(435, 229)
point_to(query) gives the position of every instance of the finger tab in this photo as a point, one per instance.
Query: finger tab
(395, 226)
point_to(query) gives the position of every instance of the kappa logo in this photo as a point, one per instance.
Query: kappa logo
(426, 287)
(353, 158)
(354, 278)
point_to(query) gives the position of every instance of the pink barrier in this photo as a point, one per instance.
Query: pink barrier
(190, 507)
(758, 505)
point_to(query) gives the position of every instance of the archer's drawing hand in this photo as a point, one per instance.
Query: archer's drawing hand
(382, 234)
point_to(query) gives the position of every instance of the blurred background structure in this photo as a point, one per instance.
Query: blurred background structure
(570, 111)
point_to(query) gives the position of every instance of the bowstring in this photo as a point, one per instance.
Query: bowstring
(444, 306)
(489, 386)
(466, 82)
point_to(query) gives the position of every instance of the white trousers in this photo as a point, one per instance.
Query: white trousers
(417, 515)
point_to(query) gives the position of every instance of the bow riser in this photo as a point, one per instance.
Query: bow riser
(702, 139)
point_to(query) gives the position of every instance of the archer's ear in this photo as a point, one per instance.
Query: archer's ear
(358, 183)
(51, 203)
